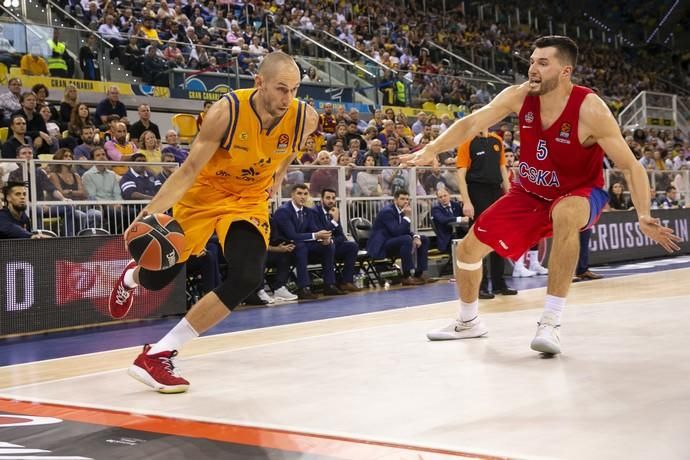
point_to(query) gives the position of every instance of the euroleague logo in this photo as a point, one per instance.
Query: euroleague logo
(283, 142)
(564, 135)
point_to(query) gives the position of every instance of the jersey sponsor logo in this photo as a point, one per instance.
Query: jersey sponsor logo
(283, 142)
(222, 173)
(541, 177)
(244, 136)
(503, 245)
(480, 153)
(497, 148)
(529, 117)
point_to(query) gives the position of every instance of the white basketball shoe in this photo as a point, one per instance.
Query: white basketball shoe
(537, 268)
(459, 329)
(547, 340)
(520, 271)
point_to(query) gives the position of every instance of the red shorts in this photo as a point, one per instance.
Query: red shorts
(519, 219)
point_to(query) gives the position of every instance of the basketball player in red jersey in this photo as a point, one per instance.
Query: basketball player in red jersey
(564, 130)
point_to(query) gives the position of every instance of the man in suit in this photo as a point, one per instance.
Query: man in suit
(445, 214)
(297, 223)
(328, 218)
(391, 237)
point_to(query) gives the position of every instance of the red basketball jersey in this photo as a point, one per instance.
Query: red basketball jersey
(552, 160)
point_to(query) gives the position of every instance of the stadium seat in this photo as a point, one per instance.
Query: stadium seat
(429, 106)
(46, 232)
(441, 107)
(453, 109)
(185, 124)
(372, 269)
(4, 132)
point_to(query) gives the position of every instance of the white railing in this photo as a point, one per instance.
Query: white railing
(69, 217)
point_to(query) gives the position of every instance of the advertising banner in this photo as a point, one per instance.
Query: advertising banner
(55, 283)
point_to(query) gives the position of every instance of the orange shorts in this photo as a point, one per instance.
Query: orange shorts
(205, 209)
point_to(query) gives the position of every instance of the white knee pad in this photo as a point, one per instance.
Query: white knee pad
(469, 267)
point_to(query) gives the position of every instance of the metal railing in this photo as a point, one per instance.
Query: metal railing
(362, 192)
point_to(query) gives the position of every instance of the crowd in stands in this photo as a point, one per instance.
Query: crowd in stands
(152, 37)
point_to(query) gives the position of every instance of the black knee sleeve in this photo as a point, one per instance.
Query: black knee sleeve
(157, 280)
(245, 252)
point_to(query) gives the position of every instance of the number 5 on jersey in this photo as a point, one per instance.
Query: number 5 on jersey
(542, 150)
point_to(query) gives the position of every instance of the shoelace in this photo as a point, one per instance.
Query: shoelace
(169, 364)
(463, 324)
(122, 294)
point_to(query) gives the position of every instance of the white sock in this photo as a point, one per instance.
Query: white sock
(469, 311)
(554, 306)
(534, 258)
(129, 278)
(520, 262)
(182, 333)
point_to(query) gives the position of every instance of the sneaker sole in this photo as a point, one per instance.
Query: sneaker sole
(544, 346)
(142, 376)
(449, 336)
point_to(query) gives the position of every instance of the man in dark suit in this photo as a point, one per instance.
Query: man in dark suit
(446, 214)
(328, 218)
(296, 223)
(391, 237)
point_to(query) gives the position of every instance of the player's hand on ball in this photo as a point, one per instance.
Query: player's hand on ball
(664, 236)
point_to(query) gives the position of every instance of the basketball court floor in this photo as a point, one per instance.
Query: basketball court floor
(355, 378)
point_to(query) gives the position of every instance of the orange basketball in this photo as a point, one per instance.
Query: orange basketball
(155, 242)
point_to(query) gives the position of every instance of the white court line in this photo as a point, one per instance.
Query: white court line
(345, 436)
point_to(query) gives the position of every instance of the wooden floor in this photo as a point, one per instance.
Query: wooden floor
(619, 390)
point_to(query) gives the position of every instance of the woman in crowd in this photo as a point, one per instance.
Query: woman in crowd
(51, 125)
(70, 185)
(148, 145)
(81, 116)
(41, 92)
(68, 104)
(368, 181)
(617, 200)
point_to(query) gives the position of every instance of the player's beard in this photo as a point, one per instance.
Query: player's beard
(546, 86)
(19, 207)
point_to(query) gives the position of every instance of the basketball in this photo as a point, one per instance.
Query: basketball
(155, 242)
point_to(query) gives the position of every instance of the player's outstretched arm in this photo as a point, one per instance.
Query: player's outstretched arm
(599, 121)
(310, 125)
(506, 102)
(205, 145)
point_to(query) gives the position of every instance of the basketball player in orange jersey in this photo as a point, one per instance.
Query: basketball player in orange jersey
(247, 140)
(564, 130)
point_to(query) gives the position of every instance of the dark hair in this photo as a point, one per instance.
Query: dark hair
(400, 191)
(326, 190)
(567, 50)
(24, 95)
(298, 187)
(14, 117)
(39, 86)
(7, 189)
(670, 188)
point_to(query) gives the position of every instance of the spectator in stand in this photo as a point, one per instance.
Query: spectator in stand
(353, 133)
(119, 149)
(134, 56)
(354, 117)
(9, 101)
(670, 200)
(109, 135)
(69, 184)
(324, 177)
(111, 105)
(42, 94)
(202, 114)
(144, 124)
(172, 52)
(368, 181)
(328, 218)
(166, 171)
(172, 141)
(150, 33)
(426, 132)
(35, 126)
(88, 59)
(376, 150)
(101, 184)
(340, 134)
(17, 137)
(68, 104)
(617, 200)
(137, 183)
(149, 146)
(33, 63)
(60, 64)
(391, 237)
(388, 132)
(52, 128)
(80, 117)
(84, 150)
(327, 121)
(14, 221)
(418, 126)
(45, 191)
(434, 181)
(155, 70)
(311, 76)
(297, 223)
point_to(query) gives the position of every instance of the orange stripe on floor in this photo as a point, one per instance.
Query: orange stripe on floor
(267, 438)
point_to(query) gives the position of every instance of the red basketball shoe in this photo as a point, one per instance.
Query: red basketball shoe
(158, 371)
(121, 297)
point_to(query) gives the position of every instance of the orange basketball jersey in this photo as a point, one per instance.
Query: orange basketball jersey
(249, 154)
